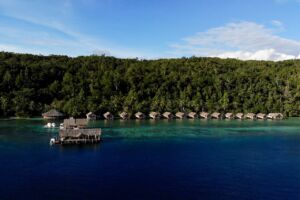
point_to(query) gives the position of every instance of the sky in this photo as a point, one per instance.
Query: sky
(151, 29)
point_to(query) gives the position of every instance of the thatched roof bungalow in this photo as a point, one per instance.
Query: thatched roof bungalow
(124, 115)
(275, 116)
(91, 116)
(140, 115)
(216, 115)
(180, 115)
(75, 123)
(239, 115)
(261, 116)
(154, 115)
(192, 115)
(204, 115)
(52, 114)
(250, 116)
(229, 115)
(168, 115)
(108, 116)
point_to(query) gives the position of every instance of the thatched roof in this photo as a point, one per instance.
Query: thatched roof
(76, 133)
(204, 115)
(71, 122)
(192, 115)
(168, 115)
(216, 115)
(91, 115)
(229, 115)
(139, 115)
(108, 115)
(180, 115)
(275, 116)
(52, 113)
(239, 115)
(250, 116)
(261, 116)
(124, 115)
(154, 115)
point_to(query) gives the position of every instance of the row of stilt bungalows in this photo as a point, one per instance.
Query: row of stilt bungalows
(193, 115)
(54, 114)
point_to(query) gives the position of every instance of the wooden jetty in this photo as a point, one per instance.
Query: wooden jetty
(74, 131)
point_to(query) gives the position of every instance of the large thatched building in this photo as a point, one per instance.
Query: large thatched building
(52, 114)
(192, 115)
(168, 115)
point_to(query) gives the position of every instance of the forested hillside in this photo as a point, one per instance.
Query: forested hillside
(31, 84)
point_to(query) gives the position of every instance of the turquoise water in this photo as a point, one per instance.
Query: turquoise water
(177, 159)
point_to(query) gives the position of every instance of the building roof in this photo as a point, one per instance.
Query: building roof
(52, 113)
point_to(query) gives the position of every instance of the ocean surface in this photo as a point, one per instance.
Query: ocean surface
(177, 159)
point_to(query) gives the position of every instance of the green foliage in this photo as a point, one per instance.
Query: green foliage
(31, 84)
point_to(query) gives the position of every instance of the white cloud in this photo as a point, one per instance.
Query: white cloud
(242, 40)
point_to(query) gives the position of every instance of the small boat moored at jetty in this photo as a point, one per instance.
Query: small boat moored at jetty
(74, 131)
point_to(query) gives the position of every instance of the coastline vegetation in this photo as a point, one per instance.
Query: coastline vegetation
(32, 84)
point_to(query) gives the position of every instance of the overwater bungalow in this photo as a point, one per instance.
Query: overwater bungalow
(124, 115)
(52, 114)
(216, 115)
(180, 115)
(91, 116)
(275, 116)
(140, 115)
(168, 115)
(108, 116)
(250, 116)
(261, 116)
(239, 115)
(204, 115)
(229, 115)
(154, 115)
(192, 115)
(74, 131)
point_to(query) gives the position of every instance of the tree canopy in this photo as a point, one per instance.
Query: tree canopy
(32, 84)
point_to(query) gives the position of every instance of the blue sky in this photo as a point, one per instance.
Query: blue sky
(264, 30)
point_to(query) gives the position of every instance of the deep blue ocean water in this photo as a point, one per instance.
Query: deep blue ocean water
(178, 159)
